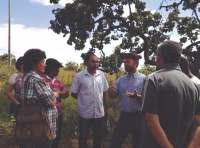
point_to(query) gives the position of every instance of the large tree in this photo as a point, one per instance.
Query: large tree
(137, 28)
(183, 15)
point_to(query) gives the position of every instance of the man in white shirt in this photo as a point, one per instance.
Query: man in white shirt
(90, 88)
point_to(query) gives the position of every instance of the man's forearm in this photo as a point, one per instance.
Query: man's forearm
(11, 95)
(157, 131)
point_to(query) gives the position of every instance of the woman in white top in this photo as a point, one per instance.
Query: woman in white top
(185, 67)
(14, 85)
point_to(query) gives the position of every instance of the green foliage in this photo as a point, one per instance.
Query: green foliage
(72, 66)
(70, 126)
(106, 22)
(66, 76)
(6, 122)
(147, 69)
(187, 26)
(141, 31)
(5, 71)
(111, 64)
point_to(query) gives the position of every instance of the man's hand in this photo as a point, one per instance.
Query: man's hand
(64, 92)
(157, 131)
(56, 94)
(17, 102)
(134, 94)
(129, 94)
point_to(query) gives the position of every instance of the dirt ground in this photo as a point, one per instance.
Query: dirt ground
(73, 143)
(6, 141)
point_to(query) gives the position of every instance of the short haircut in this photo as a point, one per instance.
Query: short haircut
(52, 65)
(19, 63)
(170, 51)
(87, 56)
(31, 58)
(132, 56)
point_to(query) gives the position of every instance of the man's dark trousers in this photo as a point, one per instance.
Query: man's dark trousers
(129, 123)
(98, 127)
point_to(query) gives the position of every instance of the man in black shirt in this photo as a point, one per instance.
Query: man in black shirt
(169, 100)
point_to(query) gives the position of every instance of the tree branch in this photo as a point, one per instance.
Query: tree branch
(114, 17)
(191, 45)
(172, 5)
(196, 15)
(129, 5)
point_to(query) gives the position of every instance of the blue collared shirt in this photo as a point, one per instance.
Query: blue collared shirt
(130, 82)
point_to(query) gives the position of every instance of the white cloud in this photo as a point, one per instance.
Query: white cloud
(47, 2)
(24, 38)
(55, 46)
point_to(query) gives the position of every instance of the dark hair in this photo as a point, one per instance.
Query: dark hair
(170, 51)
(132, 56)
(19, 63)
(86, 56)
(185, 66)
(52, 65)
(31, 58)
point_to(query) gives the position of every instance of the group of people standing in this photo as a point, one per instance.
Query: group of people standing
(157, 110)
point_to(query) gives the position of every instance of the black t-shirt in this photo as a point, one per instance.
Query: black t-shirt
(171, 95)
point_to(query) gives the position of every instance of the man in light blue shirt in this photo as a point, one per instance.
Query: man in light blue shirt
(90, 88)
(129, 89)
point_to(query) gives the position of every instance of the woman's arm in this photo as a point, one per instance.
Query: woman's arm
(45, 94)
(10, 94)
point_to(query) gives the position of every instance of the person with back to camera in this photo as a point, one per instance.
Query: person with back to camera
(169, 100)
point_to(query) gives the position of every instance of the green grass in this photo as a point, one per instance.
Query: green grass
(6, 123)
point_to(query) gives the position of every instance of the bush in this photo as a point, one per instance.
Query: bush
(70, 125)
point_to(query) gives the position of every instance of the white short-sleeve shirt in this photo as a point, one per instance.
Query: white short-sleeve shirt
(89, 89)
(13, 78)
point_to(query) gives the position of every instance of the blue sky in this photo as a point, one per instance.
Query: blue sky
(26, 12)
(37, 14)
(30, 22)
